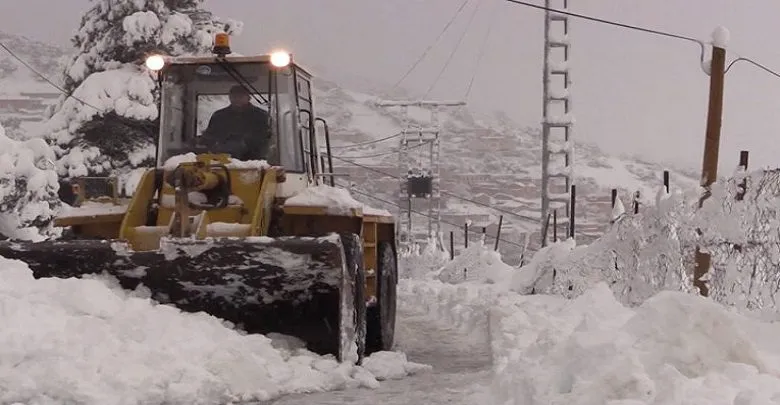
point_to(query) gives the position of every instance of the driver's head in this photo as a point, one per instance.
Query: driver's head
(239, 97)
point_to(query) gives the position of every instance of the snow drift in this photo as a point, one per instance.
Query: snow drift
(80, 341)
(675, 348)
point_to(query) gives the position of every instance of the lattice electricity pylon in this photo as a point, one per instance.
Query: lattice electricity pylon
(557, 118)
(419, 153)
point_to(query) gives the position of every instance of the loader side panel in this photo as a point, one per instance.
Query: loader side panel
(137, 214)
(263, 208)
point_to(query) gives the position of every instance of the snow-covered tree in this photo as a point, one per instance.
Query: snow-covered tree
(28, 187)
(109, 124)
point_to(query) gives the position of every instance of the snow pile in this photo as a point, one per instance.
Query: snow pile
(676, 348)
(421, 261)
(28, 187)
(338, 201)
(191, 157)
(463, 308)
(478, 263)
(79, 341)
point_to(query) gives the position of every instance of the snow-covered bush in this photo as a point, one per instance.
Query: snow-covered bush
(638, 256)
(743, 237)
(28, 187)
(109, 125)
(643, 254)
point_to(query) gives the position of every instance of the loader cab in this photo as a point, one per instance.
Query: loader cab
(194, 88)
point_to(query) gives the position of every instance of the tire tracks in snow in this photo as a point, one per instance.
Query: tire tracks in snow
(461, 369)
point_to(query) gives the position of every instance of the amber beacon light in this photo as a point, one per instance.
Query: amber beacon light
(222, 44)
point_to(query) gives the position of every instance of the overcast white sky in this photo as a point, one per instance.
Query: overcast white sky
(633, 93)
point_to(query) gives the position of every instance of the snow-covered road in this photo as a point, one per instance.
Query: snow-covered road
(460, 375)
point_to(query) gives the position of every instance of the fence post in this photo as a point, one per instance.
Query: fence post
(555, 226)
(743, 163)
(498, 231)
(614, 197)
(452, 245)
(466, 235)
(637, 195)
(573, 211)
(709, 169)
(666, 181)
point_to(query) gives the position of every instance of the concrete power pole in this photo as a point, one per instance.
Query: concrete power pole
(709, 170)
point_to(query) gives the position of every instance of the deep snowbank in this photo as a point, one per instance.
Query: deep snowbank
(596, 347)
(79, 341)
(676, 348)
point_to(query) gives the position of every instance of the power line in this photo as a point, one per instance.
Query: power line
(356, 145)
(475, 202)
(646, 30)
(46, 79)
(392, 152)
(482, 50)
(428, 49)
(454, 50)
(422, 214)
(609, 22)
(760, 66)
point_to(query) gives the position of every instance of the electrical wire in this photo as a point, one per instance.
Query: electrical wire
(760, 66)
(646, 30)
(482, 49)
(392, 152)
(369, 195)
(475, 202)
(356, 145)
(46, 79)
(605, 21)
(428, 49)
(454, 50)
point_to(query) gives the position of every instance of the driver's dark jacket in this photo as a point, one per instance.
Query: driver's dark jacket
(242, 132)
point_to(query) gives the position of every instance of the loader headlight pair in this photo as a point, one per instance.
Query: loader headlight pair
(157, 62)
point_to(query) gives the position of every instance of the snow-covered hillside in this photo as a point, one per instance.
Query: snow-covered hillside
(24, 95)
(488, 159)
(491, 160)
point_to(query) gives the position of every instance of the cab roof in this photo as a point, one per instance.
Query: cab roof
(194, 60)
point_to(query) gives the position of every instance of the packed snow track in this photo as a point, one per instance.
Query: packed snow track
(461, 370)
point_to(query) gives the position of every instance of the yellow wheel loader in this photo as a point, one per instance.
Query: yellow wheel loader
(237, 239)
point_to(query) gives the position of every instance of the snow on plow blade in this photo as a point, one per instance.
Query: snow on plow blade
(297, 286)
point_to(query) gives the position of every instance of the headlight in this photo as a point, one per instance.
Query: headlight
(280, 59)
(155, 62)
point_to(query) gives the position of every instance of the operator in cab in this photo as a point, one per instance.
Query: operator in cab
(240, 129)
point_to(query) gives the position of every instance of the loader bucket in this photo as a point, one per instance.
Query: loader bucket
(301, 286)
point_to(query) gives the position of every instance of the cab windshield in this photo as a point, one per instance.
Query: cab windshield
(245, 109)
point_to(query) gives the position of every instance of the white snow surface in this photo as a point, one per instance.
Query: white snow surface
(191, 157)
(86, 341)
(478, 263)
(337, 200)
(720, 37)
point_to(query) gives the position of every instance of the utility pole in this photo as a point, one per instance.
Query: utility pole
(709, 170)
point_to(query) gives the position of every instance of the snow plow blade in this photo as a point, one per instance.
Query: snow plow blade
(299, 286)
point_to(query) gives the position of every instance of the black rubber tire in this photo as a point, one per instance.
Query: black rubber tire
(353, 250)
(380, 318)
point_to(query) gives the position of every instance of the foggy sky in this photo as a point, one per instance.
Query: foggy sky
(633, 93)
